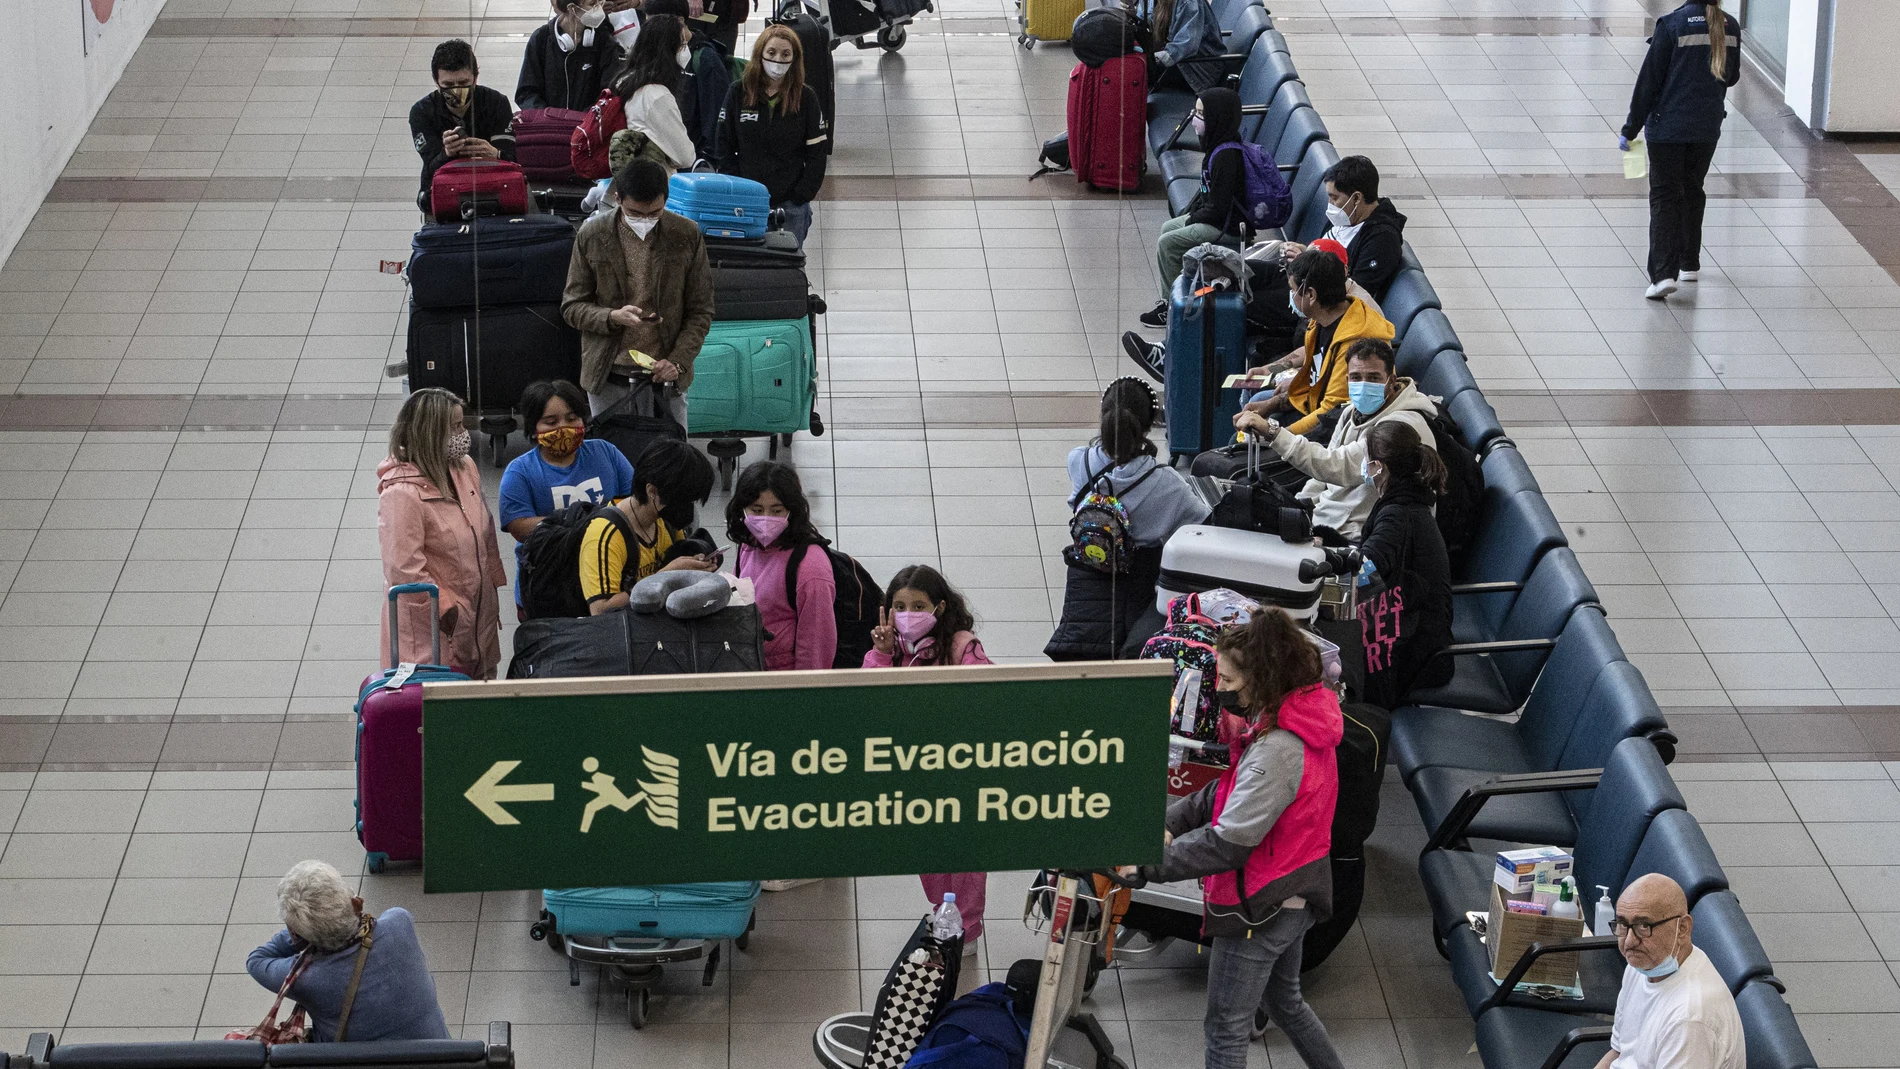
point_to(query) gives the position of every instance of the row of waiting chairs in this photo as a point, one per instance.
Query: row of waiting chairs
(1582, 765)
(495, 1052)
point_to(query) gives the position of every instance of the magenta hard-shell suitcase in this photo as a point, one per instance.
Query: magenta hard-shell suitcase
(389, 743)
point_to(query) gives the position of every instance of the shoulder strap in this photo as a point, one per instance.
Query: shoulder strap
(365, 941)
(791, 579)
(1090, 482)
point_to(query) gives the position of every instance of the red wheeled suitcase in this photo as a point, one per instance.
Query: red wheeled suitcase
(543, 144)
(389, 743)
(464, 189)
(1108, 108)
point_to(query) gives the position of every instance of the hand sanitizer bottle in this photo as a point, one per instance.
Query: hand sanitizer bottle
(1605, 913)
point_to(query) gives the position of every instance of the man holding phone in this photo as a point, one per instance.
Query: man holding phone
(460, 119)
(639, 289)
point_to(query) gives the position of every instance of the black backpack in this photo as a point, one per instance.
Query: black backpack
(1103, 33)
(1464, 488)
(856, 606)
(1362, 756)
(550, 563)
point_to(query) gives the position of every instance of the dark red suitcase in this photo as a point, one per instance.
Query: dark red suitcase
(1108, 114)
(389, 743)
(542, 144)
(464, 189)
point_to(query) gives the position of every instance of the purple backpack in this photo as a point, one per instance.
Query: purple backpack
(1265, 200)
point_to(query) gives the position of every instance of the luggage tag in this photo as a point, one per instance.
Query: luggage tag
(400, 676)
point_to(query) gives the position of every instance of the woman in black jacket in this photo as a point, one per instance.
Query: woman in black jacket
(1695, 55)
(1405, 583)
(1210, 215)
(773, 130)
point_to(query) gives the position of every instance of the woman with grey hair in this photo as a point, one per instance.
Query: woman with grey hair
(365, 978)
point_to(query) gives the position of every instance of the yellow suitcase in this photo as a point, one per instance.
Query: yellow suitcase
(1048, 20)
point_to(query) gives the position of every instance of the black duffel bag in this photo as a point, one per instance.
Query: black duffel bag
(626, 643)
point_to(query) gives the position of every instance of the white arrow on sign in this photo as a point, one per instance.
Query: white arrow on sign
(488, 793)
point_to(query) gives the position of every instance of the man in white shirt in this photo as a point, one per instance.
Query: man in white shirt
(1674, 1011)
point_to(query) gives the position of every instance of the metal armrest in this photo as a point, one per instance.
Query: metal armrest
(1217, 57)
(1179, 128)
(1509, 645)
(1576, 1037)
(1466, 811)
(1772, 981)
(1665, 742)
(1288, 168)
(1254, 109)
(1501, 587)
(1537, 950)
(501, 1047)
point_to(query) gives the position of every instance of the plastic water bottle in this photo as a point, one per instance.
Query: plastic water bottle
(946, 923)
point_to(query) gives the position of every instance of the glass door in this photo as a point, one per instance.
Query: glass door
(1765, 34)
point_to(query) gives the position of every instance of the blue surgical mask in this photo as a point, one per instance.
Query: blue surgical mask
(1367, 397)
(1293, 303)
(1365, 470)
(1663, 968)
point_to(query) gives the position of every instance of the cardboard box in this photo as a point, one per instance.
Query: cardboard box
(1509, 934)
(1518, 871)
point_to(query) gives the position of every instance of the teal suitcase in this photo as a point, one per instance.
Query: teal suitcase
(758, 376)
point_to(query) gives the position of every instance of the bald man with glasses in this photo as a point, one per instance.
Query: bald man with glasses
(1674, 1011)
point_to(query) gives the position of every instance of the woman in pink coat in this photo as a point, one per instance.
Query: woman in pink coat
(435, 527)
(925, 622)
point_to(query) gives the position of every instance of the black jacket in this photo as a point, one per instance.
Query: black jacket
(551, 78)
(1677, 98)
(703, 94)
(1221, 189)
(1377, 251)
(1405, 614)
(490, 117)
(1108, 617)
(784, 152)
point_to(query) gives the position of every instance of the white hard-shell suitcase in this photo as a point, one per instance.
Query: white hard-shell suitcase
(1264, 567)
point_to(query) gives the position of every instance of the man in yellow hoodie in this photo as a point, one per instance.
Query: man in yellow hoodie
(1310, 396)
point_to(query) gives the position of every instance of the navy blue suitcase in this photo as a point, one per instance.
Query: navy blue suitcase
(1207, 342)
(492, 261)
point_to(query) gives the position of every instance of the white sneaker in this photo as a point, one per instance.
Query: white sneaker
(1658, 290)
(1687, 276)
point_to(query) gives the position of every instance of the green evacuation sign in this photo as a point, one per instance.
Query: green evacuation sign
(786, 775)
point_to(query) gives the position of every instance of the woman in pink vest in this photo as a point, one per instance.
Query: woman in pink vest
(1259, 837)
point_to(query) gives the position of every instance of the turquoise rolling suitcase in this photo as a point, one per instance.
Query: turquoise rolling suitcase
(758, 376)
(669, 911)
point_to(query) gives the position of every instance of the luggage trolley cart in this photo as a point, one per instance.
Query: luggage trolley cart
(636, 931)
(1074, 922)
(883, 21)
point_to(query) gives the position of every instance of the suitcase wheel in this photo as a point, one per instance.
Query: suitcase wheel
(892, 38)
(637, 998)
(377, 861)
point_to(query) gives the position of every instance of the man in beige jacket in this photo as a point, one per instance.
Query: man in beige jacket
(639, 282)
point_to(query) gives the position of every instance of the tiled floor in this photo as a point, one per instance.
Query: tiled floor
(187, 507)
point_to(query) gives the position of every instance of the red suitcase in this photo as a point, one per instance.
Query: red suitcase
(1108, 111)
(463, 189)
(543, 137)
(389, 743)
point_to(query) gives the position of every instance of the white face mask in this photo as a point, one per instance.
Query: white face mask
(640, 227)
(774, 69)
(1337, 216)
(593, 17)
(683, 56)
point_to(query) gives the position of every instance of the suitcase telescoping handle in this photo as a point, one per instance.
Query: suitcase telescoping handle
(435, 619)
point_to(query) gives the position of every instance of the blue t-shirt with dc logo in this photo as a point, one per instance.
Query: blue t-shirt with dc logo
(533, 487)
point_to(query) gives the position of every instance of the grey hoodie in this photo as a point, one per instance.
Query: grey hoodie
(1341, 499)
(1157, 505)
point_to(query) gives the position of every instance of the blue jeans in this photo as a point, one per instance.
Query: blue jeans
(1263, 973)
(798, 220)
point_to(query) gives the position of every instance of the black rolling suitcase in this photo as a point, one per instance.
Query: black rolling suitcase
(491, 261)
(1361, 756)
(490, 357)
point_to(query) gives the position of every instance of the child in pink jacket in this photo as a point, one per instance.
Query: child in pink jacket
(925, 622)
(769, 520)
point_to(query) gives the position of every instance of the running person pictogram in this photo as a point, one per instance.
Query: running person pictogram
(661, 797)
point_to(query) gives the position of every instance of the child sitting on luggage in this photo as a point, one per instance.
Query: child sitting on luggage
(565, 467)
(924, 621)
(769, 520)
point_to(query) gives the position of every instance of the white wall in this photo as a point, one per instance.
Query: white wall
(57, 63)
(1798, 87)
(1861, 94)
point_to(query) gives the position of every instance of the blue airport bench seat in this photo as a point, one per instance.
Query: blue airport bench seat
(1510, 1038)
(1478, 425)
(1515, 530)
(1635, 786)
(1223, 68)
(1261, 76)
(1309, 193)
(1674, 846)
(1447, 377)
(1430, 334)
(1616, 705)
(1409, 294)
(1768, 1026)
(1427, 737)
(1496, 675)
(497, 1052)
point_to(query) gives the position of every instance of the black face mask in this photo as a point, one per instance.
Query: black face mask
(677, 516)
(1230, 701)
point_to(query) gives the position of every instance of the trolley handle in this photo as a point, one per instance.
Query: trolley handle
(435, 620)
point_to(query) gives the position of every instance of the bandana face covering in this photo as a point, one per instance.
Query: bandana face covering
(457, 97)
(562, 441)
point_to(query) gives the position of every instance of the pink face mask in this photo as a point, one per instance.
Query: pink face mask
(914, 626)
(766, 528)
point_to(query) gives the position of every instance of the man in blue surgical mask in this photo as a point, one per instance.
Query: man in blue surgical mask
(1674, 1011)
(1335, 482)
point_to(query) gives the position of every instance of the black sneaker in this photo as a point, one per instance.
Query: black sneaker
(1156, 316)
(1146, 355)
(1261, 1024)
